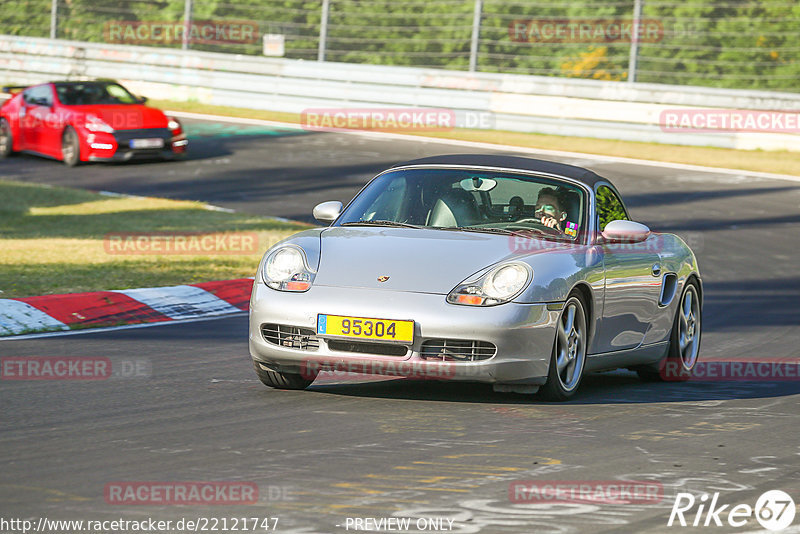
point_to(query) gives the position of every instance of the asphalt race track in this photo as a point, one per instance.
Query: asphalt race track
(195, 410)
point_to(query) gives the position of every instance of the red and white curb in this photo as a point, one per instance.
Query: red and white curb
(123, 307)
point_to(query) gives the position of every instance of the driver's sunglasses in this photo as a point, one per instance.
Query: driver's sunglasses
(546, 207)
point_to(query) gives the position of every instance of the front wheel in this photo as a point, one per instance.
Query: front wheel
(569, 353)
(6, 139)
(684, 344)
(70, 147)
(279, 380)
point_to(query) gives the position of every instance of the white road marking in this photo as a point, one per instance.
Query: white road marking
(122, 327)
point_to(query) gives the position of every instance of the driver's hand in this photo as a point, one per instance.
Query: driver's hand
(551, 222)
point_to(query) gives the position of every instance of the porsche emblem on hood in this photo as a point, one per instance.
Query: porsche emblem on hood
(383, 278)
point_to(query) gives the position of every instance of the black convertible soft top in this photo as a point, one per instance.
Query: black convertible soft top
(511, 162)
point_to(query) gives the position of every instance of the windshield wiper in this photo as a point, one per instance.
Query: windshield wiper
(481, 229)
(546, 235)
(380, 223)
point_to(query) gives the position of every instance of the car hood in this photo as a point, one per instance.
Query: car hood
(127, 116)
(416, 260)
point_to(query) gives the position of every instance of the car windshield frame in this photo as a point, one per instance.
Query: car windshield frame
(103, 98)
(581, 196)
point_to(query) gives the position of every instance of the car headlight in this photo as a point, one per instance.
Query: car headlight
(500, 284)
(286, 269)
(96, 124)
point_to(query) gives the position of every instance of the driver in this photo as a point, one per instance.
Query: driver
(549, 211)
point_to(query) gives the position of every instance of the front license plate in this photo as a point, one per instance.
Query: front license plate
(147, 143)
(365, 328)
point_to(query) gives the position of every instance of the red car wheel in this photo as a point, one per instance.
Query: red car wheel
(70, 147)
(6, 139)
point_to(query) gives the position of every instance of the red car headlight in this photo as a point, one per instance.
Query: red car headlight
(96, 124)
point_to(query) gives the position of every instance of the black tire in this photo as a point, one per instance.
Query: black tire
(70, 147)
(6, 139)
(678, 364)
(278, 380)
(569, 352)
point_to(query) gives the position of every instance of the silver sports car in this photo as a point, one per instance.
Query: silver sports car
(521, 273)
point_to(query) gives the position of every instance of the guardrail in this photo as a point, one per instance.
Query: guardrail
(574, 107)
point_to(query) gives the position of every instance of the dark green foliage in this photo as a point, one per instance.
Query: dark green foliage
(720, 43)
(609, 207)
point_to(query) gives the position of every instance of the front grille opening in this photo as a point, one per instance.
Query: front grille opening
(142, 152)
(382, 349)
(292, 337)
(457, 350)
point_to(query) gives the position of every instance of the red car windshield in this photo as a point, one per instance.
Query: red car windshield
(85, 94)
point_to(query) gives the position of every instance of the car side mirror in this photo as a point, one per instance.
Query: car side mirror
(142, 99)
(625, 231)
(327, 211)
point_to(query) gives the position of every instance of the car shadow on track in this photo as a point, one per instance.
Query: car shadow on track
(732, 304)
(618, 387)
(203, 145)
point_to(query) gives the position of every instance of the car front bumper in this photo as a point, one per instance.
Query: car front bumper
(117, 147)
(523, 334)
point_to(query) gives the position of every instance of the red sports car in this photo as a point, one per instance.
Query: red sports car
(86, 121)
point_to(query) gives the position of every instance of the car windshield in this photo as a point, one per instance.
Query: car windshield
(471, 200)
(90, 93)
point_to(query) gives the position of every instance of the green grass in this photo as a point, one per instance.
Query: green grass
(780, 161)
(56, 240)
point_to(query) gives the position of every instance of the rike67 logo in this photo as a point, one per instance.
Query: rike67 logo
(774, 510)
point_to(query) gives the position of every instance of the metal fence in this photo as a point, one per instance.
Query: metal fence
(721, 43)
(584, 108)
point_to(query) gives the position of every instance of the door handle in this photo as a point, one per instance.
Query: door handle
(656, 269)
